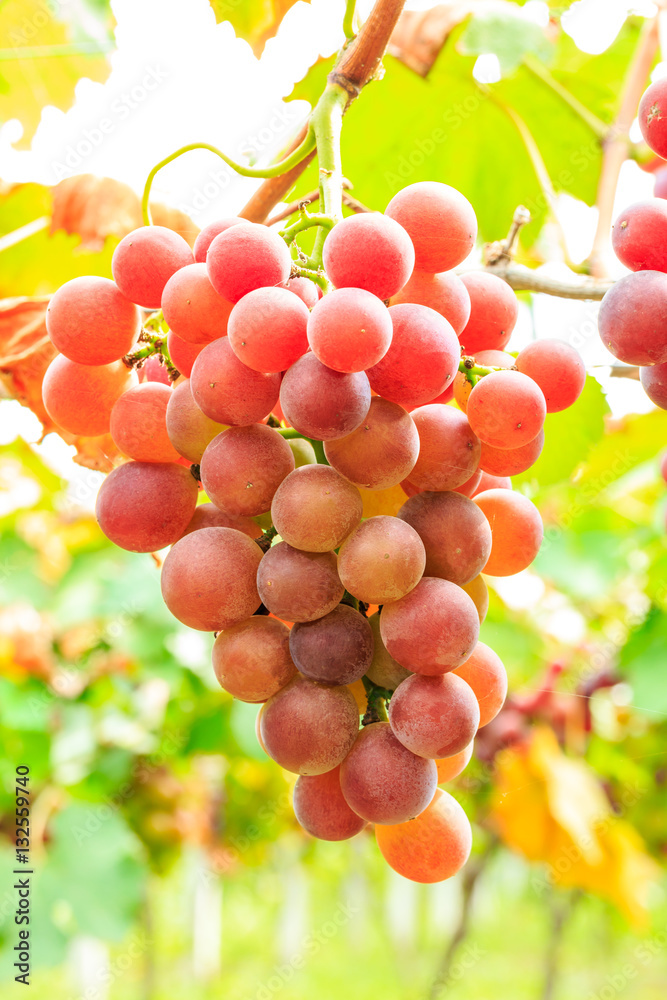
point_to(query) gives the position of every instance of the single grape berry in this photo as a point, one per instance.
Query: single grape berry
(349, 330)
(192, 308)
(252, 660)
(144, 261)
(654, 384)
(440, 221)
(334, 649)
(382, 560)
(516, 530)
(208, 234)
(505, 462)
(369, 251)
(321, 403)
(445, 293)
(183, 353)
(434, 716)
(242, 468)
(91, 322)
(247, 256)
(506, 409)
(486, 675)
(267, 329)
(557, 368)
(494, 310)
(639, 236)
(228, 391)
(80, 398)
(653, 117)
(315, 508)
(382, 450)
(299, 586)
(633, 318)
(449, 450)
(455, 534)
(432, 847)
(189, 430)
(321, 809)
(139, 424)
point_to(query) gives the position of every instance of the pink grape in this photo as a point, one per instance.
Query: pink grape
(369, 251)
(381, 452)
(80, 398)
(455, 534)
(144, 261)
(154, 370)
(307, 290)
(183, 354)
(91, 322)
(208, 234)
(633, 318)
(349, 330)
(432, 847)
(139, 424)
(243, 467)
(434, 716)
(505, 462)
(321, 809)
(334, 649)
(653, 117)
(445, 293)
(492, 482)
(189, 430)
(468, 488)
(209, 578)
(654, 384)
(440, 221)
(382, 781)
(449, 451)
(639, 234)
(660, 183)
(506, 409)
(132, 509)
(432, 629)
(299, 586)
(382, 560)
(486, 675)
(494, 310)
(516, 530)
(267, 329)
(228, 391)
(252, 660)
(309, 728)
(321, 403)
(247, 256)
(558, 370)
(422, 360)
(207, 515)
(384, 670)
(192, 308)
(315, 508)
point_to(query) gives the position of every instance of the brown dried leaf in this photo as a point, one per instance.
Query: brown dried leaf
(420, 35)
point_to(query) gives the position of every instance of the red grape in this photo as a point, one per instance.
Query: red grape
(633, 318)
(486, 675)
(445, 293)
(243, 467)
(247, 256)
(434, 716)
(208, 234)
(335, 649)
(209, 578)
(228, 391)
(432, 847)
(188, 428)
(267, 329)
(660, 183)
(381, 452)
(468, 488)
(207, 515)
(639, 235)
(309, 728)
(91, 322)
(349, 330)
(557, 368)
(448, 449)
(516, 530)
(144, 261)
(510, 461)
(299, 586)
(315, 508)
(143, 506)
(440, 221)
(154, 370)
(653, 117)
(422, 360)
(450, 767)
(369, 251)
(382, 560)
(139, 424)
(494, 310)
(307, 290)
(80, 398)
(455, 533)
(382, 781)
(654, 384)
(492, 482)
(321, 809)
(506, 409)
(183, 354)
(432, 629)
(321, 403)
(192, 308)
(252, 659)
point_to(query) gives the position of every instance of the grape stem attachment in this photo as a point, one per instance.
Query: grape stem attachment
(377, 703)
(474, 372)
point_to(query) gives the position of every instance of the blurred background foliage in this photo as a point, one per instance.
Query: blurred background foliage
(169, 863)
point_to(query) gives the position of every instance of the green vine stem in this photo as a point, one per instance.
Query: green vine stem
(275, 170)
(306, 221)
(348, 19)
(474, 372)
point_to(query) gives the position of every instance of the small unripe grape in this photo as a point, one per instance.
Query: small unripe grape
(479, 592)
(384, 670)
(144, 261)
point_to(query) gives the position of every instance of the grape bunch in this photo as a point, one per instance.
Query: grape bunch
(349, 506)
(633, 314)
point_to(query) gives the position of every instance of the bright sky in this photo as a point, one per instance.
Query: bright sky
(179, 78)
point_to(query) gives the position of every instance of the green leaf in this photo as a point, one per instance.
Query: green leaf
(642, 660)
(507, 35)
(254, 20)
(638, 439)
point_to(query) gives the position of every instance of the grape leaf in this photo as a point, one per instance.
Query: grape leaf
(507, 36)
(254, 20)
